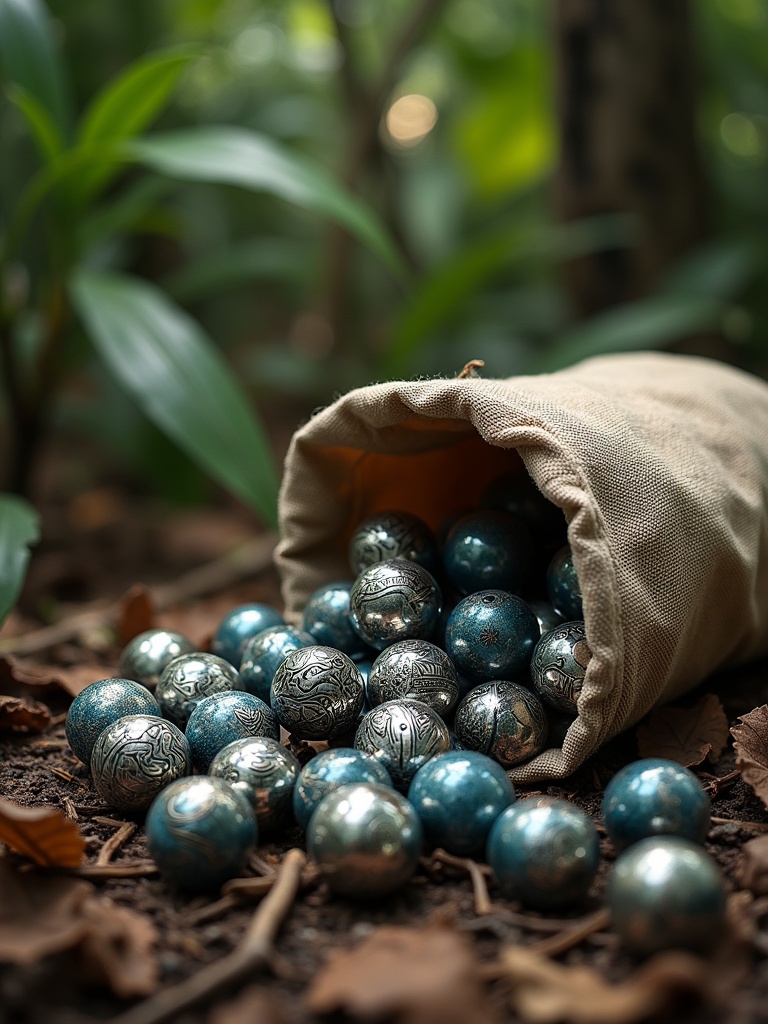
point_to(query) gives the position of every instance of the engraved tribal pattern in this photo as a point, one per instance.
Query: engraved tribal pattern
(136, 757)
(403, 735)
(416, 669)
(504, 720)
(559, 664)
(317, 693)
(388, 535)
(394, 600)
(190, 678)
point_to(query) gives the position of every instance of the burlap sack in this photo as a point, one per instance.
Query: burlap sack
(659, 462)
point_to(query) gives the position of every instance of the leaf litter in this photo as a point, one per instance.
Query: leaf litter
(750, 741)
(686, 735)
(43, 834)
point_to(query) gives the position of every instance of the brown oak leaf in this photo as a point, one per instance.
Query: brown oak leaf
(686, 735)
(136, 613)
(41, 833)
(23, 715)
(412, 975)
(45, 914)
(750, 741)
(18, 676)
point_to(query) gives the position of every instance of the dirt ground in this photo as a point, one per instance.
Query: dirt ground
(100, 544)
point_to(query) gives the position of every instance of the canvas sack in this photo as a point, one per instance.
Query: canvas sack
(659, 464)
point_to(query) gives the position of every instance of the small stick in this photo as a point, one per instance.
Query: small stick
(253, 954)
(137, 869)
(249, 886)
(212, 910)
(113, 844)
(570, 937)
(69, 808)
(477, 874)
(61, 773)
(755, 826)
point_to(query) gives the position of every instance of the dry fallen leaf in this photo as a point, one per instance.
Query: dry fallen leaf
(750, 740)
(23, 715)
(41, 833)
(753, 869)
(546, 992)
(413, 975)
(685, 735)
(136, 613)
(17, 675)
(41, 915)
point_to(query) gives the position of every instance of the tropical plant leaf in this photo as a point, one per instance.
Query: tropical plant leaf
(126, 105)
(236, 156)
(19, 528)
(172, 369)
(29, 58)
(44, 131)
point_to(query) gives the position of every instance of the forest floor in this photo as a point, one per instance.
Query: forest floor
(98, 942)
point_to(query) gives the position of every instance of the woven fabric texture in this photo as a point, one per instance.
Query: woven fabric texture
(659, 463)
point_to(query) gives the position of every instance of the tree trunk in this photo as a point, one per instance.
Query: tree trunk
(628, 140)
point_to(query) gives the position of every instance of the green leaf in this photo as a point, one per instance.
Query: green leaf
(170, 366)
(648, 323)
(127, 104)
(44, 131)
(236, 156)
(29, 58)
(19, 528)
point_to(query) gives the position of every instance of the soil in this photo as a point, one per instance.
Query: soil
(97, 545)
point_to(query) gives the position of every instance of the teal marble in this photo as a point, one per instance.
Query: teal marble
(563, 587)
(488, 550)
(326, 618)
(666, 892)
(544, 852)
(199, 832)
(264, 654)
(329, 770)
(655, 797)
(458, 796)
(99, 705)
(365, 839)
(241, 625)
(223, 718)
(491, 635)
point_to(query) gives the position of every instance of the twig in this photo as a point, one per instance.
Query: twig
(570, 937)
(476, 873)
(754, 826)
(716, 783)
(212, 910)
(135, 869)
(113, 844)
(253, 954)
(242, 563)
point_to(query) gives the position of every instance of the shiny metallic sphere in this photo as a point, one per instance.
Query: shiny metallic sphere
(559, 664)
(317, 693)
(388, 535)
(189, 678)
(266, 652)
(136, 757)
(265, 772)
(329, 770)
(222, 718)
(200, 831)
(665, 892)
(101, 704)
(402, 735)
(395, 600)
(366, 840)
(544, 852)
(563, 587)
(504, 720)
(416, 669)
(145, 657)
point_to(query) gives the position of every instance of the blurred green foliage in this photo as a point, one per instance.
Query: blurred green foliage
(293, 314)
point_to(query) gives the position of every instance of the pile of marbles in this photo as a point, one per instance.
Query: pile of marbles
(379, 670)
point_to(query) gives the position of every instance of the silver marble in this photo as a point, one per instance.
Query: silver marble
(395, 600)
(392, 534)
(366, 839)
(190, 677)
(504, 720)
(317, 693)
(265, 772)
(402, 735)
(416, 669)
(136, 757)
(559, 664)
(145, 657)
